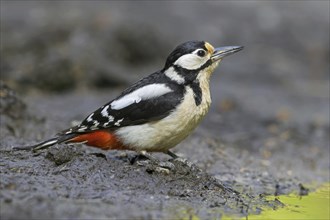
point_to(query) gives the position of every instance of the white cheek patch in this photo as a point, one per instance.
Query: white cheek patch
(144, 93)
(191, 61)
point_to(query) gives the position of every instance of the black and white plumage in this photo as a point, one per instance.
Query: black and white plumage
(157, 112)
(136, 105)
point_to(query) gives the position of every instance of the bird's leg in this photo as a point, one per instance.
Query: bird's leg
(173, 155)
(177, 158)
(152, 163)
(142, 155)
(147, 155)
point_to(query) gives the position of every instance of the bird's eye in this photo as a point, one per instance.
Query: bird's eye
(201, 53)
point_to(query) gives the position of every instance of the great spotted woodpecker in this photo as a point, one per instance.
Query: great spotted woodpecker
(157, 112)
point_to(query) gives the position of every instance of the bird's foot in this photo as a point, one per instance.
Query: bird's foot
(183, 161)
(151, 163)
(141, 158)
(179, 159)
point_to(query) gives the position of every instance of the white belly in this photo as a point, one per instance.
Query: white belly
(168, 132)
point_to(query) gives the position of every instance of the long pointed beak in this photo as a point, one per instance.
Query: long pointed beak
(222, 52)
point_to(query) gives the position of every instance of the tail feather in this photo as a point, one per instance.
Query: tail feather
(47, 143)
(100, 139)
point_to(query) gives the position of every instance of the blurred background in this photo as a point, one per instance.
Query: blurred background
(73, 46)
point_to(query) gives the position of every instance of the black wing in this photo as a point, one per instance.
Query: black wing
(152, 109)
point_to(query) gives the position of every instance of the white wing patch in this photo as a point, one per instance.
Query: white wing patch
(89, 119)
(82, 128)
(118, 122)
(105, 113)
(144, 93)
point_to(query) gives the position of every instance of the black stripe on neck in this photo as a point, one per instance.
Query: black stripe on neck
(198, 95)
(190, 77)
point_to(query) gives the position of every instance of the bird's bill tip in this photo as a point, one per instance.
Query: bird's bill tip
(221, 52)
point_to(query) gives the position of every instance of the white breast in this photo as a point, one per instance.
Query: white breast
(168, 132)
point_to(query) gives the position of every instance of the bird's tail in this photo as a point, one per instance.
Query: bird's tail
(48, 143)
(100, 139)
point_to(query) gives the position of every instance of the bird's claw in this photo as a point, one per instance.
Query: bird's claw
(151, 163)
(167, 165)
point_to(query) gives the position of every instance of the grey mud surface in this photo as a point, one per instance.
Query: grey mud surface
(267, 132)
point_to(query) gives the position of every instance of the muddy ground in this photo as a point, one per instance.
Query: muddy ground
(267, 132)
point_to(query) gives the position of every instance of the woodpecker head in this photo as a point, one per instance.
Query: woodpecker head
(197, 57)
